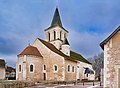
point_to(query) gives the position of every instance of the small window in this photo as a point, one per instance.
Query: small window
(68, 68)
(31, 68)
(19, 68)
(44, 67)
(55, 68)
(73, 69)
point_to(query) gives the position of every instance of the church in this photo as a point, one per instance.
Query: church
(51, 59)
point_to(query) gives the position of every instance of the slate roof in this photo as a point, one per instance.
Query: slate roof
(56, 21)
(78, 57)
(88, 71)
(31, 50)
(109, 37)
(2, 63)
(73, 56)
(52, 47)
(66, 42)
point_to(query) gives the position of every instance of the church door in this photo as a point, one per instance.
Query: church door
(44, 75)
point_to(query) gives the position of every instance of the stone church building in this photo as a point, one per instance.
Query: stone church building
(52, 59)
(111, 47)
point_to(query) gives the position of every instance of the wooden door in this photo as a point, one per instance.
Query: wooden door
(44, 75)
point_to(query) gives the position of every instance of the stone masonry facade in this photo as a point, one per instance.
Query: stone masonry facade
(112, 60)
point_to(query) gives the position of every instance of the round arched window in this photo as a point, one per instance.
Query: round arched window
(31, 68)
(68, 68)
(55, 68)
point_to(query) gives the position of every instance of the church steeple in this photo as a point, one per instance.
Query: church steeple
(56, 19)
(56, 33)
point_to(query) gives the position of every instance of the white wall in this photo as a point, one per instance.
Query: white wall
(2, 73)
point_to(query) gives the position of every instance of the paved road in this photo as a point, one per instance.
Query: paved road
(80, 85)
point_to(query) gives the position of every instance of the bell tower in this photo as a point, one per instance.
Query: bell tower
(56, 34)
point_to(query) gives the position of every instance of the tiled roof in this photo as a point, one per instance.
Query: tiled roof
(2, 63)
(31, 50)
(73, 56)
(109, 37)
(78, 57)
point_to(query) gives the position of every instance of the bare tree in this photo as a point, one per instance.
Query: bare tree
(97, 62)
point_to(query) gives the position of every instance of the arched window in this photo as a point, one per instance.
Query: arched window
(60, 34)
(20, 68)
(68, 68)
(55, 68)
(54, 35)
(73, 69)
(44, 67)
(31, 68)
(48, 36)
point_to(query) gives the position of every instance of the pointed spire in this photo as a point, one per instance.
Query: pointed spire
(66, 42)
(56, 19)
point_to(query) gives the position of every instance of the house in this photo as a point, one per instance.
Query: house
(2, 69)
(10, 73)
(111, 47)
(51, 59)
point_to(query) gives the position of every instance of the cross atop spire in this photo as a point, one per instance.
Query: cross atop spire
(56, 19)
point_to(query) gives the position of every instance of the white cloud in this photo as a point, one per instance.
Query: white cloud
(85, 43)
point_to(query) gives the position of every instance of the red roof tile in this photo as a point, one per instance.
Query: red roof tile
(31, 50)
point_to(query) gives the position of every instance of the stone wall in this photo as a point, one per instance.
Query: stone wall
(25, 73)
(112, 62)
(15, 84)
(70, 75)
(50, 59)
(2, 73)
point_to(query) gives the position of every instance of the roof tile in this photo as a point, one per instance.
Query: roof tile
(31, 50)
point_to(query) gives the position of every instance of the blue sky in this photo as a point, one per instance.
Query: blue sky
(88, 23)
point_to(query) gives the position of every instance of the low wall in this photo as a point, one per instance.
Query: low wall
(15, 84)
